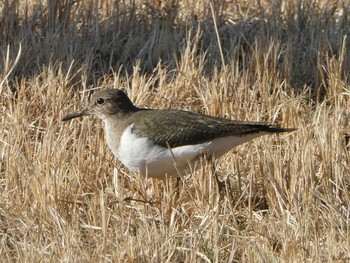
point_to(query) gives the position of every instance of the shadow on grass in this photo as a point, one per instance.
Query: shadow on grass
(299, 42)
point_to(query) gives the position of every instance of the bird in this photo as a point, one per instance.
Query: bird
(166, 142)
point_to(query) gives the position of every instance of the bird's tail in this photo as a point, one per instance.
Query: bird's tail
(276, 129)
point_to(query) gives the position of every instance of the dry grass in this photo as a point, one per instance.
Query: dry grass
(285, 62)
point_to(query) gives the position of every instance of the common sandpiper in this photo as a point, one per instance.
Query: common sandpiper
(161, 142)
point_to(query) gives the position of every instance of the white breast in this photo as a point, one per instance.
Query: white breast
(141, 155)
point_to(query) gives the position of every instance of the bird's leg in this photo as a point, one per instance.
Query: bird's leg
(179, 175)
(211, 160)
(178, 180)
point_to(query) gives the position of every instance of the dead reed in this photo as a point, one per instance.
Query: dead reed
(285, 62)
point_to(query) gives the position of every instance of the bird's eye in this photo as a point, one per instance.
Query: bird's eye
(100, 101)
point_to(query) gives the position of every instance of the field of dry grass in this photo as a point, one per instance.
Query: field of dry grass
(284, 62)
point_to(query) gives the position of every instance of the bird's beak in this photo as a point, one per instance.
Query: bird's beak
(85, 111)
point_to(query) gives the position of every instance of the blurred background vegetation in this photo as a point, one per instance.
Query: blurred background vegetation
(303, 37)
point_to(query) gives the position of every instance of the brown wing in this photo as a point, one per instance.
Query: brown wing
(178, 128)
